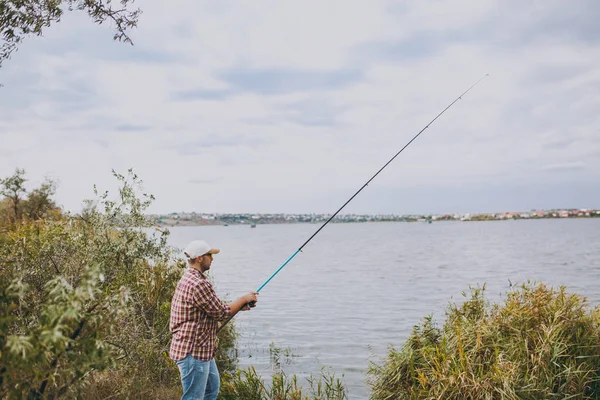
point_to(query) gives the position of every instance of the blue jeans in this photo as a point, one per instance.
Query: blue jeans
(200, 379)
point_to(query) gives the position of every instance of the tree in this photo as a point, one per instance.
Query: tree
(13, 189)
(39, 201)
(22, 18)
(19, 204)
(85, 303)
(66, 287)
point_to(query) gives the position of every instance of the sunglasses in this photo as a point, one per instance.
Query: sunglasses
(209, 255)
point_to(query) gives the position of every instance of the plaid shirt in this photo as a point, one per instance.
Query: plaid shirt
(195, 310)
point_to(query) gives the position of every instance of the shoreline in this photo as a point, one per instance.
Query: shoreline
(254, 223)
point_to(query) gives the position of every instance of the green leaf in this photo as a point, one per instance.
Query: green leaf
(19, 345)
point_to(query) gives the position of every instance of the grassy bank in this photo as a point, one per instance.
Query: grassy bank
(541, 343)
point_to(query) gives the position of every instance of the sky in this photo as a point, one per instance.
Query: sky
(291, 106)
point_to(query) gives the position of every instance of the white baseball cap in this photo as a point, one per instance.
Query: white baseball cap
(198, 248)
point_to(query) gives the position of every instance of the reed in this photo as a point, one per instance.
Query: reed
(248, 384)
(541, 343)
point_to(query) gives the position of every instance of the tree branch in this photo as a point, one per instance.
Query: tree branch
(78, 375)
(54, 263)
(19, 18)
(120, 347)
(54, 362)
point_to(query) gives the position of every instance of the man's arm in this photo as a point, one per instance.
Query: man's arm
(206, 299)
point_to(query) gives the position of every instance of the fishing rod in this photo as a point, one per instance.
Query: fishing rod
(252, 303)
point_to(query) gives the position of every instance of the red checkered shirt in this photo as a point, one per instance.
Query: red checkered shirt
(195, 311)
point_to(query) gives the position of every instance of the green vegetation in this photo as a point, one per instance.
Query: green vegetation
(18, 204)
(85, 299)
(249, 385)
(85, 303)
(22, 18)
(541, 343)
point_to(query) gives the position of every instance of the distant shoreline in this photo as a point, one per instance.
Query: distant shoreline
(254, 219)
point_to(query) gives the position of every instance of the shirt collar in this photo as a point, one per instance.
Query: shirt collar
(195, 271)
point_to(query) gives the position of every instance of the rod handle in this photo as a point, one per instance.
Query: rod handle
(252, 304)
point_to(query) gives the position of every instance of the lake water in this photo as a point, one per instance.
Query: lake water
(357, 288)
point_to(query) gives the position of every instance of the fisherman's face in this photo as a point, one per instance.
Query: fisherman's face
(206, 261)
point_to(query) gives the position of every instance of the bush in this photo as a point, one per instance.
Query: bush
(249, 385)
(542, 343)
(85, 305)
(85, 302)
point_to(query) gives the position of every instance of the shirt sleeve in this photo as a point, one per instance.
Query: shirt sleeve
(206, 299)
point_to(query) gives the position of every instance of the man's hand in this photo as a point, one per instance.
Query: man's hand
(249, 297)
(241, 304)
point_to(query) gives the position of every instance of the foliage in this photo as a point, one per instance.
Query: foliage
(542, 343)
(21, 18)
(39, 203)
(248, 384)
(18, 204)
(85, 303)
(66, 335)
(12, 188)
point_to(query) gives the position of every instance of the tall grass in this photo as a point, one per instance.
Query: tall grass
(248, 384)
(542, 343)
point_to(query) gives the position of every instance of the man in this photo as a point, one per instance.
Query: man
(195, 311)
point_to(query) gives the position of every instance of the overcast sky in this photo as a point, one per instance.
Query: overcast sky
(290, 106)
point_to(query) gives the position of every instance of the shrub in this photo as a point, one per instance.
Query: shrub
(249, 385)
(542, 343)
(85, 303)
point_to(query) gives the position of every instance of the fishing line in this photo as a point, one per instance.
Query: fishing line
(251, 304)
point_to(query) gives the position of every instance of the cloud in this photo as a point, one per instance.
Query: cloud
(577, 23)
(558, 73)
(203, 181)
(414, 48)
(310, 99)
(132, 128)
(273, 81)
(569, 166)
(558, 144)
(190, 95)
(311, 112)
(268, 81)
(102, 143)
(213, 142)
